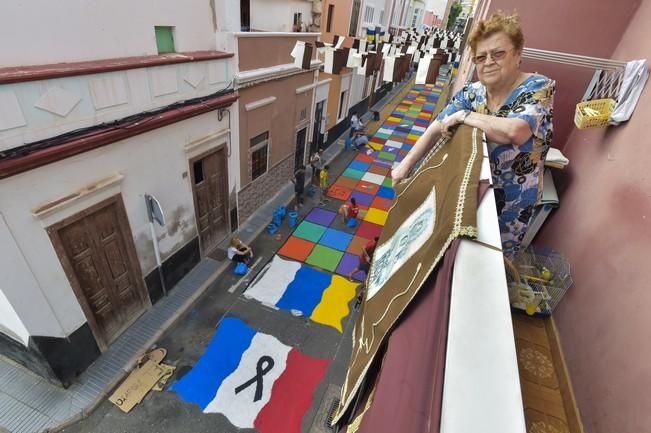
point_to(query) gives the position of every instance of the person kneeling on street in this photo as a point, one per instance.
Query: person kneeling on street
(239, 252)
(349, 210)
(364, 265)
(360, 141)
(365, 258)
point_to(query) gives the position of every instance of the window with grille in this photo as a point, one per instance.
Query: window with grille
(415, 18)
(368, 14)
(245, 15)
(354, 17)
(331, 11)
(259, 154)
(367, 87)
(298, 18)
(342, 105)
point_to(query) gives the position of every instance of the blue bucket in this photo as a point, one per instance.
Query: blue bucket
(277, 219)
(282, 212)
(292, 218)
(240, 269)
(272, 229)
(352, 222)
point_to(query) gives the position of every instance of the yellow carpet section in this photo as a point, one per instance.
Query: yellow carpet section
(334, 303)
(376, 216)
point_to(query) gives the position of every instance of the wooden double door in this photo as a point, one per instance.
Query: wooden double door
(97, 252)
(210, 191)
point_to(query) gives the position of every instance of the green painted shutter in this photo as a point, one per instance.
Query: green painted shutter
(164, 39)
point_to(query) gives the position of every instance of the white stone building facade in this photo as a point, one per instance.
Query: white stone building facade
(140, 106)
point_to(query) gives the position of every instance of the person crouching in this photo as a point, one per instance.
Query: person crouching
(239, 251)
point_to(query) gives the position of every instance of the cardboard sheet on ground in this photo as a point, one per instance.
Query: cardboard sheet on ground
(151, 373)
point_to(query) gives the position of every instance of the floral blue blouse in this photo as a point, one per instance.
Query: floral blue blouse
(517, 170)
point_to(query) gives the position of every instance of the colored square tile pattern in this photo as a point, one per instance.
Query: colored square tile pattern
(316, 241)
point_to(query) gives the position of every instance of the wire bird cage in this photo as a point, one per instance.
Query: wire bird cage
(537, 280)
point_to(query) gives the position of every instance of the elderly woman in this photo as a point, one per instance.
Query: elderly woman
(514, 109)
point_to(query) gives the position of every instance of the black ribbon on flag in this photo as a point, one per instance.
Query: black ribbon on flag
(257, 379)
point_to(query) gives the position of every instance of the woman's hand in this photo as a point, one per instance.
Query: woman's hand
(400, 173)
(450, 122)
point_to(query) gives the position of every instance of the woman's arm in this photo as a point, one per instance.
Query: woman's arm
(434, 131)
(498, 129)
(422, 145)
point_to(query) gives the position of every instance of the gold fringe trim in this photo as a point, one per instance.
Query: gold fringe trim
(468, 231)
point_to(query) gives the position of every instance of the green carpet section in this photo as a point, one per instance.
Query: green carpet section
(309, 231)
(325, 258)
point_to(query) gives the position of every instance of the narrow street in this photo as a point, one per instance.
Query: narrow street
(325, 216)
(186, 342)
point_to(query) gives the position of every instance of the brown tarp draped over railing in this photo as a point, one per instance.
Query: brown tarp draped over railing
(408, 391)
(409, 388)
(432, 209)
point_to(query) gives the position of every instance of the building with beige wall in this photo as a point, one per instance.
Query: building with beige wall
(350, 91)
(82, 140)
(276, 112)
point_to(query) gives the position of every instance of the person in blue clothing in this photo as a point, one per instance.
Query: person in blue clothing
(515, 110)
(355, 124)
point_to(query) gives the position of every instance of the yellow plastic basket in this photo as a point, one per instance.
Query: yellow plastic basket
(583, 119)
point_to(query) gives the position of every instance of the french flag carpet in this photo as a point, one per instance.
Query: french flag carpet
(290, 285)
(253, 379)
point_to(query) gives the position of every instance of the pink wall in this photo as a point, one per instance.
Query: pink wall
(429, 18)
(604, 228)
(340, 20)
(265, 51)
(587, 27)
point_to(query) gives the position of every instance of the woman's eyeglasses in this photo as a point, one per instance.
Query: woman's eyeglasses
(495, 55)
